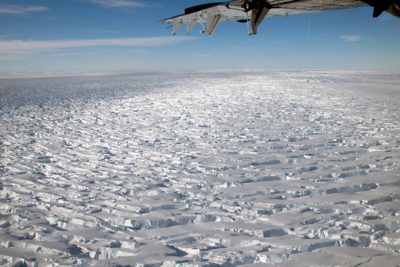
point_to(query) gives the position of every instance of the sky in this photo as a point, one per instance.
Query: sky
(110, 35)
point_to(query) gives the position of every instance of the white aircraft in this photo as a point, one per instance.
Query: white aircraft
(253, 12)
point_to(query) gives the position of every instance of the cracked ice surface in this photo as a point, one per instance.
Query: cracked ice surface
(284, 168)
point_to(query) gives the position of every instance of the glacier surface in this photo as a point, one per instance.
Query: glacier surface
(280, 168)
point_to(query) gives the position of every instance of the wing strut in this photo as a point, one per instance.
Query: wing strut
(257, 16)
(175, 27)
(190, 26)
(212, 22)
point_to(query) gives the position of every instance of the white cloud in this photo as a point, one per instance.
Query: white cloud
(119, 3)
(20, 10)
(23, 47)
(350, 38)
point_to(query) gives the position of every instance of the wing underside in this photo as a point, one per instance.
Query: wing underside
(315, 5)
(253, 12)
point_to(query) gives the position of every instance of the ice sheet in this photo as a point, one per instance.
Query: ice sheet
(201, 169)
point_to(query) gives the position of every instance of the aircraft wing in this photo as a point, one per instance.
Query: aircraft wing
(253, 12)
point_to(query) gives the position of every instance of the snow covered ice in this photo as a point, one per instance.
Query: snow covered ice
(201, 169)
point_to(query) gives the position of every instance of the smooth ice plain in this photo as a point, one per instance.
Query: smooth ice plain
(201, 169)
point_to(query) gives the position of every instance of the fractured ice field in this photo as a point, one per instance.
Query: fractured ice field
(201, 169)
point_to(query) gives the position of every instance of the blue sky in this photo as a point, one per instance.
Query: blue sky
(75, 35)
